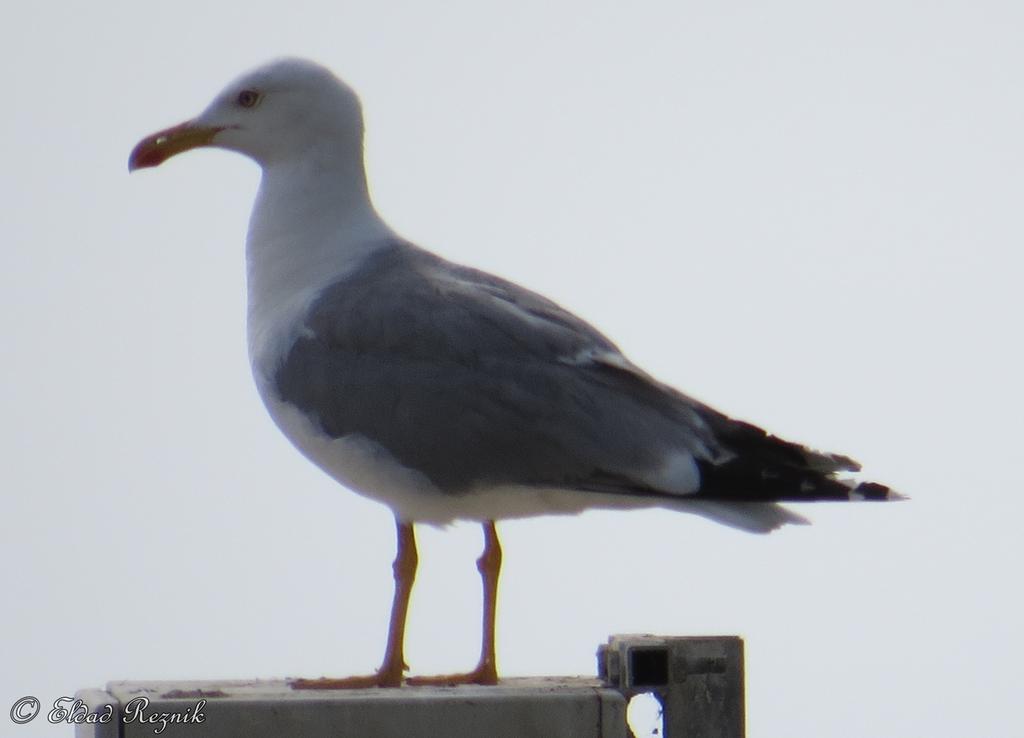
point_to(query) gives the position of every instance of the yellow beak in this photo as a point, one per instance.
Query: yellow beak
(158, 148)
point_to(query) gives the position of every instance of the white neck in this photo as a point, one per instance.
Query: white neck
(312, 223)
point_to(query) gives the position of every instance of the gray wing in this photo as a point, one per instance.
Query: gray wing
(475, 381)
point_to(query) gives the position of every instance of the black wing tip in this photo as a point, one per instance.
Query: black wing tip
(875, 492)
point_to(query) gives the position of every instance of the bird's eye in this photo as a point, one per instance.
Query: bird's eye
(248, 98)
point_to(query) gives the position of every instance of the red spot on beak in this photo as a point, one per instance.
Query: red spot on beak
(161, 146)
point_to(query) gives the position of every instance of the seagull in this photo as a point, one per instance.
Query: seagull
(447, 393)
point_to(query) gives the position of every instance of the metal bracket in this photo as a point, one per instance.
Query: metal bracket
(698, 680)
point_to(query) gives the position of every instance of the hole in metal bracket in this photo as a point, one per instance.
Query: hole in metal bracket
(649, 667)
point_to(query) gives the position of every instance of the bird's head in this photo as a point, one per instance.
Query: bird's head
(275, 112)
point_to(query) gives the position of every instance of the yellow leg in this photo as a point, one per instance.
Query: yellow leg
(391, 671)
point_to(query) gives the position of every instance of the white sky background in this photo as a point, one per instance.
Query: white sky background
(807, 215)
